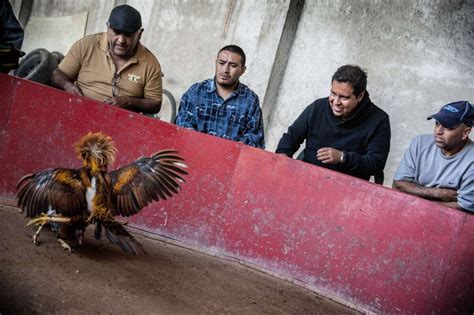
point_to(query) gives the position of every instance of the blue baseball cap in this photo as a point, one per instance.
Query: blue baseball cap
(126, 19)
(453, 114)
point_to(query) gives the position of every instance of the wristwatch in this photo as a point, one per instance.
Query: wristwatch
(342, 157)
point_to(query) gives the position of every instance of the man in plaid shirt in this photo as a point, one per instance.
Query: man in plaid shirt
(222, 106)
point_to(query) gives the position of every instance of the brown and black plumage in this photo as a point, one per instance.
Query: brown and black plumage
(71, 199)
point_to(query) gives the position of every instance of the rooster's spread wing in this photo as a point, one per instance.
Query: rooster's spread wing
(59, 189)
(145, 180)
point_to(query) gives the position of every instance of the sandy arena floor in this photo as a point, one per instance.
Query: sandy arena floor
(100, 278)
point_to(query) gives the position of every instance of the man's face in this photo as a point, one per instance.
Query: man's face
(123, 45)
(451, 140)
(229, 68)
(342, 99)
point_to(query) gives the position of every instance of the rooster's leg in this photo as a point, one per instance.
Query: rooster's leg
(42, 220)
(65, 245)
(81, 237)
(35, 237)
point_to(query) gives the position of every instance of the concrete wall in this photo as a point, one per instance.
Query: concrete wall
(186, 35)
(98, 13)
(418, 53)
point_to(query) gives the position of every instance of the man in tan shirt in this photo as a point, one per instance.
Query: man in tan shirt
(114, 67)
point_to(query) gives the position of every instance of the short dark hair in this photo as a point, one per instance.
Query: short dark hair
(353, 75)
(236, 50)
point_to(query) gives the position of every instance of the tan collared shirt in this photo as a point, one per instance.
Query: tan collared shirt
(89, 62)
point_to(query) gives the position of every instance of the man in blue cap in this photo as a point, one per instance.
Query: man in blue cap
(441, 168)
(114, 67)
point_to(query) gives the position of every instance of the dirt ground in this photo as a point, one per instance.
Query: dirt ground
(100, 278)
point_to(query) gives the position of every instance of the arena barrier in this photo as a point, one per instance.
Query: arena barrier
(364, 245)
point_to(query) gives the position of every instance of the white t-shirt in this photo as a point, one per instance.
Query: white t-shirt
(425, 164)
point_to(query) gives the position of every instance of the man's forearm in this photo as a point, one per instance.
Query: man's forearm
(141, 105)
(254, 139)
(186, 117)
(432, 193)
(287, 145)
(61, 80)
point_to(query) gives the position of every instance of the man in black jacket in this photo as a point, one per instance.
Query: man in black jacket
(344, 132)
(11, 38)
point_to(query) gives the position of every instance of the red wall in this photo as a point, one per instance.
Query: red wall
(351, 240)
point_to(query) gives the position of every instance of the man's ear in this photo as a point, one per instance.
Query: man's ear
(243, 69)
(359, 98)
(466, 132)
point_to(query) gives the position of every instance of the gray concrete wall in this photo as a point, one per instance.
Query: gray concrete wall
(98, 13)
(418, 54)
(185, 35)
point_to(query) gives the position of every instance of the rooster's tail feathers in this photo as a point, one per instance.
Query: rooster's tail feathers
(117, 234)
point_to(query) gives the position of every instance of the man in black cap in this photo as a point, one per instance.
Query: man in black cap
(441, 168)
(114, 67)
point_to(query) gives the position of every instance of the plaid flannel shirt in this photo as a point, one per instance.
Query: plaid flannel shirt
(238, 118)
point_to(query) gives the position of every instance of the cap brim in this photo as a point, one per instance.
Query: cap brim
(446, 122)
(124, 30)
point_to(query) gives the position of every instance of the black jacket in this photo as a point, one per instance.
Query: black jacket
(364, 137)
(11, 31)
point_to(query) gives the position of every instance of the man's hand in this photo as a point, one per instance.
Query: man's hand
(329, 155)
(446, 194)
(61, 80)
(73, 89)
(120, 101)
(135, 104)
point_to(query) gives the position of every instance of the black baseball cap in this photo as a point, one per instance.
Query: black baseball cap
(453, 114)
(125, 19)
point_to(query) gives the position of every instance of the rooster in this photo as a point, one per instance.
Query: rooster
(71, 199)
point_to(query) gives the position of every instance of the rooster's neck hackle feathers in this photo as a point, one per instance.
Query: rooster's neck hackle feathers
(96, 151)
